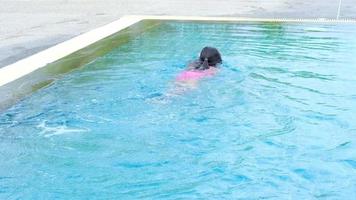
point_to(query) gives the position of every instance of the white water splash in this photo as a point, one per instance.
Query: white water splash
(49, 131)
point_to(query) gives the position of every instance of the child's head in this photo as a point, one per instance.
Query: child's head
(209, 57)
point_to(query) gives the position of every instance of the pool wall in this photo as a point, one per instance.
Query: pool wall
(39, 70)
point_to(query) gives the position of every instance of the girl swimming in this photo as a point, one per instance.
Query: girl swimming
(205, 66)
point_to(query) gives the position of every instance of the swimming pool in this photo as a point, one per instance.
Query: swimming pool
(277, 122)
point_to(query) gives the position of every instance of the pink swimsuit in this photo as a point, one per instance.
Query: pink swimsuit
(192, 75)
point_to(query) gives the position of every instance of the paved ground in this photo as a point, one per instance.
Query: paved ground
(29, 26)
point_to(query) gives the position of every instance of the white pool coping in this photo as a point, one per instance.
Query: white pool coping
(27, 65)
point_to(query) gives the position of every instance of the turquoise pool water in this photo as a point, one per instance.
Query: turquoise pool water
(277, 122)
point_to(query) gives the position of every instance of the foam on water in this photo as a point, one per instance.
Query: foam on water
(49, 131)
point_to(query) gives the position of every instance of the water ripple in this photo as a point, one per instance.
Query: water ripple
(276, 122)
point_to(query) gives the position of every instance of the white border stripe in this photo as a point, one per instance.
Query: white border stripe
(237, 19)
(25, 66)
(17, 70)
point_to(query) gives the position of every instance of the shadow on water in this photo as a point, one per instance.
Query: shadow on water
(43, 77)
(273, 30)
(286, 43)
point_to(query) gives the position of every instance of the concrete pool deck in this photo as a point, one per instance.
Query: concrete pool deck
(30, 26)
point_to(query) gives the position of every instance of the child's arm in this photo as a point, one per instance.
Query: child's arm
(193, 65)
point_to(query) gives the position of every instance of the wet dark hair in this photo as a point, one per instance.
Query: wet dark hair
(209, 56)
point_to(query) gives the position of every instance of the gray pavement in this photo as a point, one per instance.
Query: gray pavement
(29, 26)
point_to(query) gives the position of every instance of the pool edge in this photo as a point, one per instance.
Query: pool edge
(29, 64)
(241, 19)
(39, 60)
